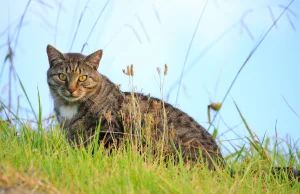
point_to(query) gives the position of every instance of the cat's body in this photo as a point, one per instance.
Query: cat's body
(79, 105)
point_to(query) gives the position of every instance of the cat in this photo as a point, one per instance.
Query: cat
(83, 97)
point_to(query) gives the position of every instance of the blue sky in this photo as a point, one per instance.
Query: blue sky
(151, 33)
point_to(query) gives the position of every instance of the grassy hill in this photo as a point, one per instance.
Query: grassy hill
(41, 160)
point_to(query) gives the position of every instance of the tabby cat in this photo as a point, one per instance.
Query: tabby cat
(83, 97)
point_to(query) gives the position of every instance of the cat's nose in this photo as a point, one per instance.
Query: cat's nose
(71, 90)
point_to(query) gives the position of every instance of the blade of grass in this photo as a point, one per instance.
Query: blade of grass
(100, 14)
(275, 152)
(57, 19)
(40, 120)
(7, 108)
(20, 23)
(23, 89)
(189, 48)
(143, 27)
(253, 141)
(238, 154)
(79, 22)
(290, 107)
(244, 121)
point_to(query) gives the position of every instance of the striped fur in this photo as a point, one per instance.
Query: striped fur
(99, 95)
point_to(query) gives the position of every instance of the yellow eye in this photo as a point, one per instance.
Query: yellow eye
(62, 77)
(82, 78)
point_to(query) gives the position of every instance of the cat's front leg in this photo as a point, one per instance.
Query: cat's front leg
(74, 128)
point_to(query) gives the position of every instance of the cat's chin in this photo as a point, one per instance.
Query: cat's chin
(72, 98)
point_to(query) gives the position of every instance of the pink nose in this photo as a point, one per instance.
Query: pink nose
(71, 90)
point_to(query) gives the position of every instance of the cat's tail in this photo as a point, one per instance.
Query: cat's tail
(297, 174)
(290, 171)
(280, 172)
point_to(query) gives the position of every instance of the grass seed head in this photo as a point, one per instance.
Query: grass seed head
(216, 106)
(129, 71)
(108, 116)
(166, 70)
(158, 70)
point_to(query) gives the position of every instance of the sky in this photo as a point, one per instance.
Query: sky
(149, 34)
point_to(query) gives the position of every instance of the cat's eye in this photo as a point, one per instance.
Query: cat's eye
(82, 78)
(62, 77)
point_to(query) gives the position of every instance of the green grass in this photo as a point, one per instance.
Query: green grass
(42, 160)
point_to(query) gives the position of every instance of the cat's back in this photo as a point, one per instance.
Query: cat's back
(188, 132)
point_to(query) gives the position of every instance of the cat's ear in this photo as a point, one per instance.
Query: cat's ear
(94, 58)
(54, 56)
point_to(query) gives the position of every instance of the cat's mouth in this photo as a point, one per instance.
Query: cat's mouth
(71, 97)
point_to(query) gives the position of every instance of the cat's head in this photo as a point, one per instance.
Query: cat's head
(72, 76)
